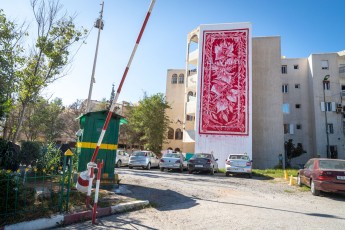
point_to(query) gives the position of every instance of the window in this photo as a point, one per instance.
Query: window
(174, 79)
(328, 106)
(324, 64)
(178, 134)
(284, 69)
(326, 85)
(330, 128)
(334, 151)
(295, 66)
(181, 78)
(189, 118)
(297, 86)
(190, 95)
(286, 108)
(170, 133)
(298, 106)
(285, 88)
(298, 126)
(288, 129)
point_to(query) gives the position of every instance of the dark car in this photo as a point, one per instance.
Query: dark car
(203, 162)
(322, 174)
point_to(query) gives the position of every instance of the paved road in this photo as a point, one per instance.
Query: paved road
(183, 201)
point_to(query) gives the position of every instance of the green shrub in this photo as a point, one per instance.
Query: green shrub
(30, 152)
(49, 158)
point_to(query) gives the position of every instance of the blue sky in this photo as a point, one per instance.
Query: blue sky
(305, 27)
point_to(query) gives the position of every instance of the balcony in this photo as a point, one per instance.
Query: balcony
(342, 71)
(193, 57)
(191, 80)
(191, 107)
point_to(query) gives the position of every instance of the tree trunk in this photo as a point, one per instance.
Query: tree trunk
(20, 122)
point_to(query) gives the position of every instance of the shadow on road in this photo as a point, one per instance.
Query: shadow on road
(163, 200)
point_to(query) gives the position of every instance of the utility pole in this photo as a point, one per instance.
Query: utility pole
(98, 24)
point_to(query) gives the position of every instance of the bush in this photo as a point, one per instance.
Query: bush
(49, 158)
(30, 152)
(9, 155)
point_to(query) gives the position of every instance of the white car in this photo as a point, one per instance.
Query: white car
(238, 164)
(122, 158)
(173, 161)
(144, 159)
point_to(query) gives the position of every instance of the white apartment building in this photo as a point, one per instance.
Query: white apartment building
(288, 102)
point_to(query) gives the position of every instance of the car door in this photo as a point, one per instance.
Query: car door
(308, 171)
(125, 158)
(154, 160)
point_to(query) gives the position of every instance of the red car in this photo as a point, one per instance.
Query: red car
(322, 174)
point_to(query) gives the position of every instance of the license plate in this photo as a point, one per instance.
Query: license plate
(341, 177)
(199, 166)
(237, 169)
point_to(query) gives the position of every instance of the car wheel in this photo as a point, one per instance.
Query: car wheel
(130, 167)
(249, 175)
(162, 169)
(314, 191)
(181, 168)
(227, 174)
(299, 183)
(148, 166)
(212, 171)
(190, 171)
(118, 164)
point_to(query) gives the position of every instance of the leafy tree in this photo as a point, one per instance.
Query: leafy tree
(54, 123)
(148, 122)
(46, 61)
(11, 60)
(30, 152)
(292, 151)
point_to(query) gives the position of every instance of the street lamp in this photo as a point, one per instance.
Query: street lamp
(325, 82)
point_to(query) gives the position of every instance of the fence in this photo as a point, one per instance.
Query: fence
(29, 193)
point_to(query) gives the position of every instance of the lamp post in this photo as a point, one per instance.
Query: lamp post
(325, 81)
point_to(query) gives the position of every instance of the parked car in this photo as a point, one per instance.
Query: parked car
(238, 164)
(203, 162)
(122, 158)
(173, 160)
(323, 174)
(144, 159)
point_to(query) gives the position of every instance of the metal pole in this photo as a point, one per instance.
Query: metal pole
(105, 126)
(326, 122)
(99, 23)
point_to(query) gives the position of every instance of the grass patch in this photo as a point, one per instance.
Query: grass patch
(274, 173)
(288, 191)
(221, 170)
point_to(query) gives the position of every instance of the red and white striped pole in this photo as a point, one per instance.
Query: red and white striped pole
(105, 126)
(98, 181)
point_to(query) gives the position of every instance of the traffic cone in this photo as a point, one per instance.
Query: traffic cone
(285, 175)
(292, 181)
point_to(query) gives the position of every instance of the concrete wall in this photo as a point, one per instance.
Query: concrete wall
(268, 134)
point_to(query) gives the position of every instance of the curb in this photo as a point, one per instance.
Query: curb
(60, 220)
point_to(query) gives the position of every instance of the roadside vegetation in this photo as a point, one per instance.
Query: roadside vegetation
(274, 173)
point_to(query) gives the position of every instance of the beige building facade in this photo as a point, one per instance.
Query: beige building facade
(289, 102)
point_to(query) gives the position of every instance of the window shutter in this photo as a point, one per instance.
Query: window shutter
(323, 106)
(333, 106)
(291, 129)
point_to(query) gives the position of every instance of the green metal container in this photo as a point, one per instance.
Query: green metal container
(91, 125)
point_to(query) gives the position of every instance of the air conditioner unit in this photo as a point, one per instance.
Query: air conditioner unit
(339, 106)
(339, 110)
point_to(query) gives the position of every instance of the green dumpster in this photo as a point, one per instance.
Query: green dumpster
(91, 125)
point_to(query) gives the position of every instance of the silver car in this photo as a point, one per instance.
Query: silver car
(238, 164)
(173, 161)
(144, 159)
(122, 158)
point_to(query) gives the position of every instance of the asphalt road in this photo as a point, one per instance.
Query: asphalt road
(201, 201)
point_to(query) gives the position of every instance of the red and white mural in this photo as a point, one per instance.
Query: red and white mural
(224, 82)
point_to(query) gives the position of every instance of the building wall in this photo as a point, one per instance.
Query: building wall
(298, 94)
(268, 135)
(175, 98)
(316, 75)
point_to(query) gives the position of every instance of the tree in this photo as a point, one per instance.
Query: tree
(292, 151)
(11, 60)
(148, 122)
(47, 59)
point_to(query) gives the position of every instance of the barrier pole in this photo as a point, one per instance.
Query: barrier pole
(98, 182)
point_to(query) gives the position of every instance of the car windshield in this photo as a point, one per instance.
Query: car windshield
(238, 157)
(172, 155)
(332, 164)
(202, 155)
(139, 153)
